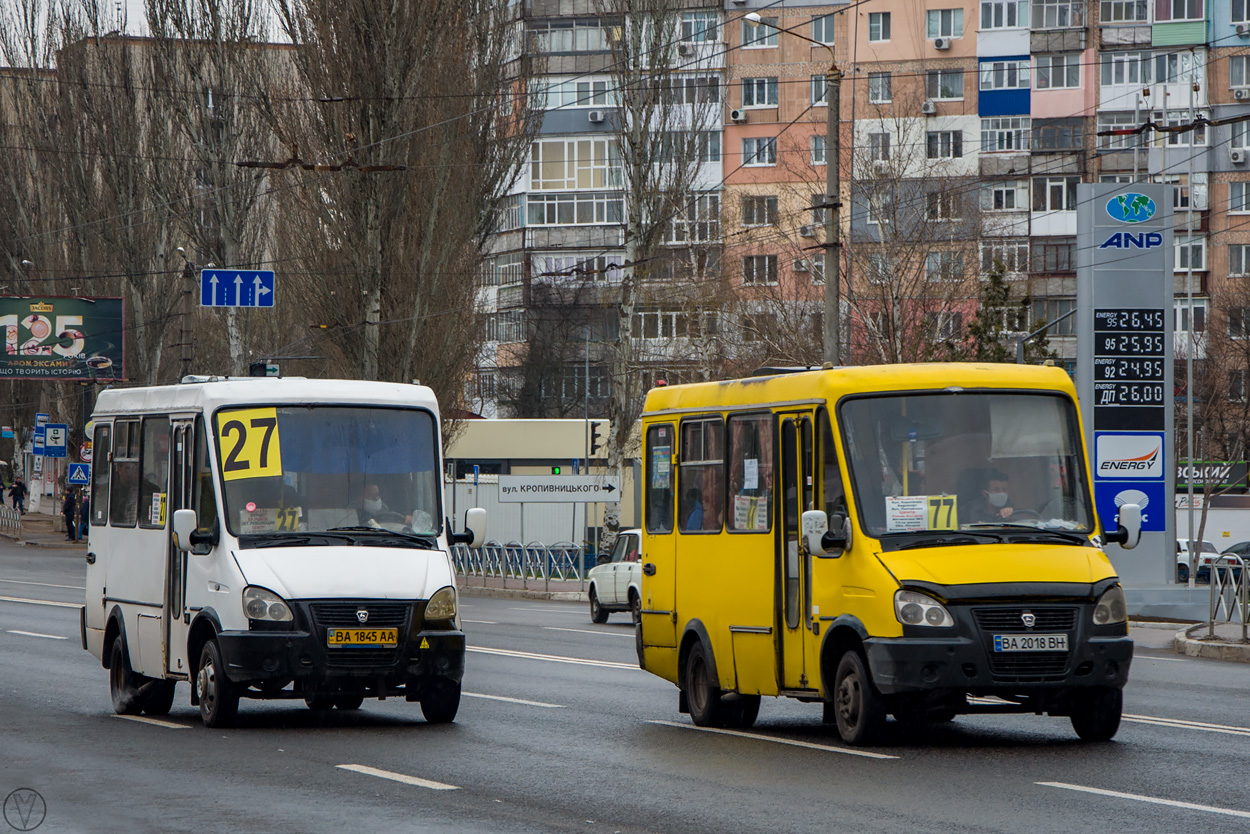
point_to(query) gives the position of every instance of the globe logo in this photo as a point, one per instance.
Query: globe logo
(1131, 208)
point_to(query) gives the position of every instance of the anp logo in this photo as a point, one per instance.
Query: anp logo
(1131, 208)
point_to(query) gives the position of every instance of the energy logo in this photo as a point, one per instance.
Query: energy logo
(1131, 208)
(1130, 456)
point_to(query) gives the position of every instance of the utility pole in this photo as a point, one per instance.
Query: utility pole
(188, 281)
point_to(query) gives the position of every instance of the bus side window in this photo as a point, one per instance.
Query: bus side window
(203, 499)
(750, 473)
(701, 476)
(831, 475)
(124, 495)
(101, 447)
(659, 479)
(154, 463)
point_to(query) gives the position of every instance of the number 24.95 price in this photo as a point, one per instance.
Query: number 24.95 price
(249, 443)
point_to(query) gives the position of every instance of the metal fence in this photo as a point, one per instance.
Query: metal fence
(1230, 594)
(10, 521)
(524, 563)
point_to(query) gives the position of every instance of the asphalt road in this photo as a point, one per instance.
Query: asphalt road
(559, 731)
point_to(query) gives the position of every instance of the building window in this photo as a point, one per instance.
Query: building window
(1052, 255)
(1055, 193)
(944, 144)
(759, 270)
(1181, 315)
(759, 211)
(879, 146)
(1190, 250)
(1006, 133)
(818, 149)
(1117, 68)
(510, 269)
(1238, 197)
(684, 147)
(944, 23)
(879, 206)
(818, 212)
(759, 92)
(1012, 255)
(1046, 310)
(1181, 190)
(689, 89)
(1005, 75)
(943, 325)
(879, 87)
(1239, 259)
(759, 151)
(944, 266)
(1238, 322)
(569, 209)
(1166, 10)
(942, 205)
(575, 164)
(1237, 75)
(1005, 14)
(1241, 11)
(1124, 11)
(1123, 141)
(1240, 135)
(556, 266)
(1184, 138)
(759, 35)
(822, 29)
(1058, 14)
(818, 91)
(1179, 67)
(700, 27)
(944, 84)
(1057, 135)
(878, 26)
(1005, 196)
(569, 93)
(699, 221)
(1055, 72)
(573, 35)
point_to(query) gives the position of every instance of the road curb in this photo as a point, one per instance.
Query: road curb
(521, 593)
(1185, 643)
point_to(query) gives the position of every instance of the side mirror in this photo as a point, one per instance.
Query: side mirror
(825, 535)
(474, 534)
(184, 527)
(1128, 533)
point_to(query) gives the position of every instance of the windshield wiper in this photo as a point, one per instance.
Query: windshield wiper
(944, 538)
(424, 541)
(1031, 532)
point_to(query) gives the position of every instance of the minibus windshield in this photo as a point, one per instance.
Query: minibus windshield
(966, 460)
(308, 469)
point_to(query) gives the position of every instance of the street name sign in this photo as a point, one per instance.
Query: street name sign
(236, 288)
(559, 489)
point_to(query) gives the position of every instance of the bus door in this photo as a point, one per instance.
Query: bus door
(181, 480)
(659, 557)
(793, 562)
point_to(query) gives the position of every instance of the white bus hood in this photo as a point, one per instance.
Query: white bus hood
(346, 572)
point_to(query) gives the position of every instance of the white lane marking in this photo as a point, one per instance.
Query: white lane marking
(36, 634)
(155, 722)
(480, 622)
(1153, 800)
(521, 701)
(398, 777)
(43, 584)
(791, 742)
(1182, 724)
(42, 602)
(588, 631)
(607, 664)
(570, 610)
(1164, 659)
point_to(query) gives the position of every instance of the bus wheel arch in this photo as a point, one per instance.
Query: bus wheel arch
(112, 630)
(204, 628)
(844, 634)
(695, 632)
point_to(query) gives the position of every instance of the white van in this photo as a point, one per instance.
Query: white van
(272, 538)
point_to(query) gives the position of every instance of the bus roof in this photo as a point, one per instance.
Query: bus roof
(207, 395)
(830, 385)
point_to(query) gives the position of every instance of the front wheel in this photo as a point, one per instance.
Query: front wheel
(597, 614)
(859, 710)
(441, 701)
(219, 697)
(1096, 713)
(348, 701)
(123, 682)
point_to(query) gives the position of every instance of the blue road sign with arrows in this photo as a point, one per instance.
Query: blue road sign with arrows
(236, 288)
(79, 474)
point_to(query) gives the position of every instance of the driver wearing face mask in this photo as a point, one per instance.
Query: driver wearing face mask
(369, 504)
(993, 503)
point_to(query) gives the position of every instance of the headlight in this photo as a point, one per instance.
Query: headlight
(915, 609)
(442, 606)
(1111, 607)
(261, 604)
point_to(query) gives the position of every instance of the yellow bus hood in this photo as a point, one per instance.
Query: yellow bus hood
(993, 563)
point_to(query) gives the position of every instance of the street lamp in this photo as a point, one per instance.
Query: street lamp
(833, 190)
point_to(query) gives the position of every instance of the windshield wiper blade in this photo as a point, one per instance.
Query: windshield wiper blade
(424, 541)
(949, 538)
(1030, 531)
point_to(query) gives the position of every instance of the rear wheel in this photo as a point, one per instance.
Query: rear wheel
(219, 696)
(597, 614)
(702, 694)
(158, 697)
(123, 682)
(348, 701)
(1096, 713)
(320, 701)
(635, 613)
(742, 712)
(859, 709)
(441, 701)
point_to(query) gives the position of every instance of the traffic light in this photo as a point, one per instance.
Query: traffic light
(595, 440)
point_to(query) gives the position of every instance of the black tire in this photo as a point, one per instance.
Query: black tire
(1096, 713)
(441, 701)
(859, 708)
(1182, 575)
(702, 693)
(635, 614)
(597, 614)
(123, 682)
(320, 701)
(158, 697)
(741, 714)
(219, 696)
(348, 701)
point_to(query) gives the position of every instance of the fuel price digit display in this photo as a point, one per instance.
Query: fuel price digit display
(1128, 321)
(1129, 368)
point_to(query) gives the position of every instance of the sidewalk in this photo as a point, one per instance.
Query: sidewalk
(39, 530)
(567, 590)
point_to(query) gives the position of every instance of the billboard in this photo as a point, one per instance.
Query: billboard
(62, 338)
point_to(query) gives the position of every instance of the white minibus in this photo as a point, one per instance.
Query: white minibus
(272, 538)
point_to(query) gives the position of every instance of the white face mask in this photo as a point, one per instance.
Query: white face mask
(996, 499)
(373, 505)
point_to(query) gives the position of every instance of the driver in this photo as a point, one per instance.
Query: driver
(993, 502)
(369, 504)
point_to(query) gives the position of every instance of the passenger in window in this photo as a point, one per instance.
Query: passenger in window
(693, 509)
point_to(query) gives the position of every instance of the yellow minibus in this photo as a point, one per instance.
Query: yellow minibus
(908, 540)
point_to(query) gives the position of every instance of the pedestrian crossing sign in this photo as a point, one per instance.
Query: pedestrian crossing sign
(79, 473)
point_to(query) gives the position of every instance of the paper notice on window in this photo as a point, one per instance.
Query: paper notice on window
(905, 513)
(750, 473)
(750, 513)
(661, 466)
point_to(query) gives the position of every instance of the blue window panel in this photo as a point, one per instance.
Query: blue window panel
(1003, 103)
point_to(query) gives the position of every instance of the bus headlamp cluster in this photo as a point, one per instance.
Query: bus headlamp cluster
(442, 606)
(1111, 607)
(915, 609)
(262, 604)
